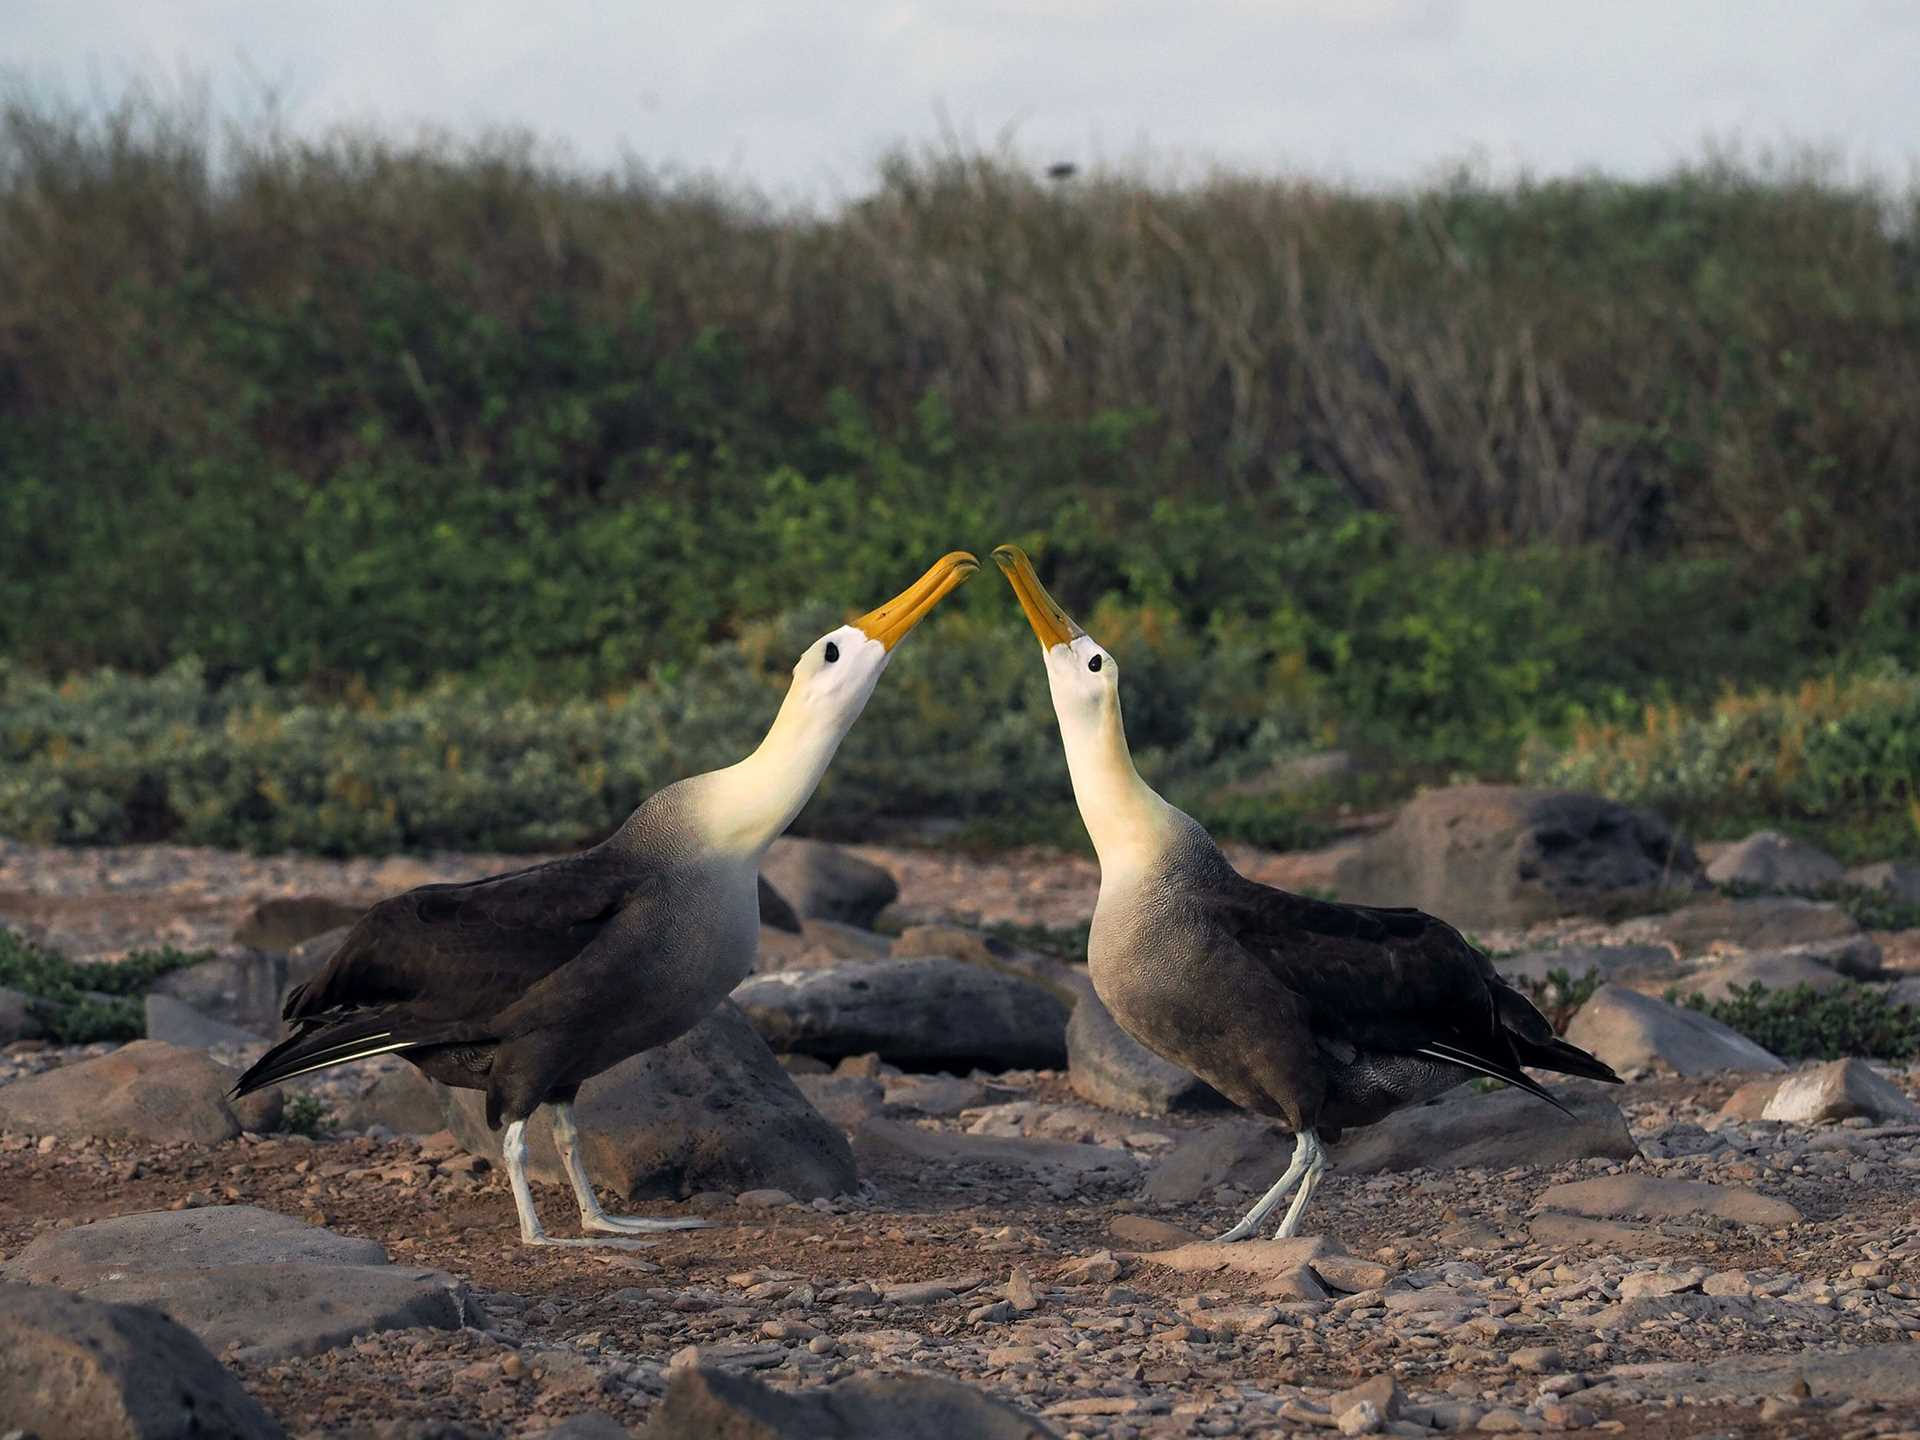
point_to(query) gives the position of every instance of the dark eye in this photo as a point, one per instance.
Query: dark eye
(833, 652)
(1094, 664)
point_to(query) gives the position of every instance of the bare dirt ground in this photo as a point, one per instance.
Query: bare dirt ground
(1484, 1325)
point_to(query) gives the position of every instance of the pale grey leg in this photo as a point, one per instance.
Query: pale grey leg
(566, 1136)
(1306, 1154)
(513, 1151)
(1290, 1226)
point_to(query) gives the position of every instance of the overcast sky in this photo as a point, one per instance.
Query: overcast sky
(799, 96)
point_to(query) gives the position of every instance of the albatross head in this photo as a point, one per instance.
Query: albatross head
(835, 675)
(1081, 673)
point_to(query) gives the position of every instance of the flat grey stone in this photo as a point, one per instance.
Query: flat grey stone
(245, 988)
(182, 1240)
(79, 1369)
(277, 1310)
(1244, 1152)
(1752, 1310)
(882, 1141)
(1468, 1130)
(1631, 1031)
(849, 1101)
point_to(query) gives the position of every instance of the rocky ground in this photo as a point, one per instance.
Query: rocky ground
(1734, 1250)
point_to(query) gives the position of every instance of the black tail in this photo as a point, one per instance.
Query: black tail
(324, 1044)
(1556, 1054)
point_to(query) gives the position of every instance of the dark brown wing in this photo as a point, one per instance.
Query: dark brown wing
(460, 951)
(1394, 981)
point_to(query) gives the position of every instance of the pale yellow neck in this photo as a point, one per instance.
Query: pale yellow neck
(1130, 825)
(745, 807)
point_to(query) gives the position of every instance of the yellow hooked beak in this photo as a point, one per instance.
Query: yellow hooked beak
(890, 623)
(1052, 624)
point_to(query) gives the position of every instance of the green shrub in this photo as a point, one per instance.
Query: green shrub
(1844, 750)
(305, 1115)
(1804, 1024)
(80, 1004)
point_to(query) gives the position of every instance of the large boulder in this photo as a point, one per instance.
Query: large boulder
(78, 1369)
(713, 1110)
(1467, 1130)
(1631, 1031)
(931, 1014)
(1484, 856)
(148, 1090)
(1109, 1067)
(1768, 860)
(709, 1404)
(238, 1275)
(825, 882)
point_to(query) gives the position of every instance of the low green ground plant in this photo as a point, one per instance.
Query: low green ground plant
(79, 1004)
(1805, 1024)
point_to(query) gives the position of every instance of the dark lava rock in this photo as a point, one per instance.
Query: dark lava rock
(711, 1111)
(929, 1014)
(79, 1369)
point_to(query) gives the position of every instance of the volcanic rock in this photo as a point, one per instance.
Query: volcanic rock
(148, 1090)
(71, 1367)
(1465, 1130)
(1631, 1031)
(713, 1110)
(933, 1014)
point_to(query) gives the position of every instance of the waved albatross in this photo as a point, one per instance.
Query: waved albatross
(527, 984)
(1319, 1015)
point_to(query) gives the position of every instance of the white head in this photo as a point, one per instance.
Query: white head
(1128, 822)
(748, 805)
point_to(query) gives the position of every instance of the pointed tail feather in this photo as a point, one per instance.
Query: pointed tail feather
(319, 1046)
(1558, 1055)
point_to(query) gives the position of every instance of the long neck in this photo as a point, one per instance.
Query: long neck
(1130, 825)
(745, 807)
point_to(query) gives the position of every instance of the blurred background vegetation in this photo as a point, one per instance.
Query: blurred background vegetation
(359, 494)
